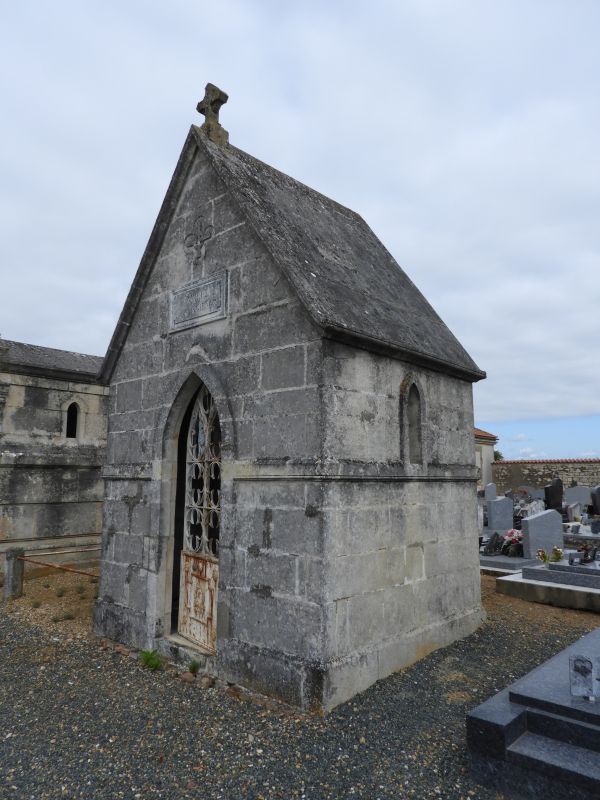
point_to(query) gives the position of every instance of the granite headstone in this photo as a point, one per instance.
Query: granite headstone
(596, 499)
(500, 514)
(578, 494)
(542, 531)
(573, 511)
(489, 492)
(553, 494)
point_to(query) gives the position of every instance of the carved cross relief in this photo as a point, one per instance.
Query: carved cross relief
(195, 241)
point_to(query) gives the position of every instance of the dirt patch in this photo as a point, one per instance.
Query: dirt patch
(63, 601)
(458, 697)
(60, 601)
(536, 616)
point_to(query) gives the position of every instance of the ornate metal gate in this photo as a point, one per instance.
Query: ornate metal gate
(200, 553)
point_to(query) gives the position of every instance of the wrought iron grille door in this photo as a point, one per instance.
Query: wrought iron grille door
(199, 577)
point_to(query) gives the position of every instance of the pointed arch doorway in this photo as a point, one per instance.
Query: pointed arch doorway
(197, 523)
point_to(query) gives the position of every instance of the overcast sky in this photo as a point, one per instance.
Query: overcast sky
(466, 133)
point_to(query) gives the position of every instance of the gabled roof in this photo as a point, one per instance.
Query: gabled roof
(345, 278)
(480, 434)
(31, 359)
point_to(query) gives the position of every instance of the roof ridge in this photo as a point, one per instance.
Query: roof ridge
(310, 189)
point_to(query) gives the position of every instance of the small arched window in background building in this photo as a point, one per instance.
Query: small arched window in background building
(415, 437)
(72, 420)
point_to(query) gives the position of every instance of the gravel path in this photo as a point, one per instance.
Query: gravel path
(81, 722)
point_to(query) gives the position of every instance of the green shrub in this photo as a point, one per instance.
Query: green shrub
(150, 659)
(194, 666)
(61, 592)
(36, 604)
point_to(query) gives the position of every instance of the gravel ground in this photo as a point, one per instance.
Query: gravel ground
(82, 722)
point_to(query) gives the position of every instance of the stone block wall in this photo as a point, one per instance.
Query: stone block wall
(512, 474)
(401, 564)
(261, 363)
(51, 487)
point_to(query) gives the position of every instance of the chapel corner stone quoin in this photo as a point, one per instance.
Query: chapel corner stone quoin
(290, 477)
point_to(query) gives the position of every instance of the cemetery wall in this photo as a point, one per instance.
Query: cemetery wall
(51, 487)
(512, 474)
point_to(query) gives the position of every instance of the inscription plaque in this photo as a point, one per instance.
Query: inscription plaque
(199, 302)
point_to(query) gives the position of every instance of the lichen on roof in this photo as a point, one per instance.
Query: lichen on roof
(343, 274)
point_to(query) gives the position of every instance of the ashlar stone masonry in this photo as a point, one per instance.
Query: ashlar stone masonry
(279, 384)
(52, 440)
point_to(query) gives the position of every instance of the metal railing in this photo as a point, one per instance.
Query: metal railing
(15, 570)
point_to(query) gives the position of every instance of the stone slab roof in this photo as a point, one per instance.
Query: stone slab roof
(347, 281)
(31, 359)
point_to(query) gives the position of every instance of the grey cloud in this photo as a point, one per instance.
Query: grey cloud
(464, 133)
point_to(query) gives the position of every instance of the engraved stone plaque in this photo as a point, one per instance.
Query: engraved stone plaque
(584, 676)
(199, 302)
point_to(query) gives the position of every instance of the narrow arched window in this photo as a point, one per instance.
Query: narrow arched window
(415, 437)
(72, 420)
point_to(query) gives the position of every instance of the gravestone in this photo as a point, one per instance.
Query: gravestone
(534, 507)
(596, 499)
(578, 494)
(573, 511)
(500, 514)
(489, 492)
(595, 526)
(542, 531)
(553, 494)
(531, 755)
(586, 576)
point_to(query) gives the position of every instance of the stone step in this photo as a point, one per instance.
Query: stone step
(570, 731)
(573, 765)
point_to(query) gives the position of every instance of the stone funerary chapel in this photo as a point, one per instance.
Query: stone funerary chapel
(290, 486)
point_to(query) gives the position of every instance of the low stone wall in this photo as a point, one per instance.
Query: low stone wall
(511, 474)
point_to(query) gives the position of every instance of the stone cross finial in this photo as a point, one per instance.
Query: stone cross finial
(210, 104)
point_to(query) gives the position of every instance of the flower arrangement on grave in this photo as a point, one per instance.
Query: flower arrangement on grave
(513, 543)
(556, 554)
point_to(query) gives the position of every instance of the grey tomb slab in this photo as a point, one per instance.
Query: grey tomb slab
(500, 514)
(542, 531)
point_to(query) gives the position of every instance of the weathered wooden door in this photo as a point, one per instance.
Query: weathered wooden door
(199, 576)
